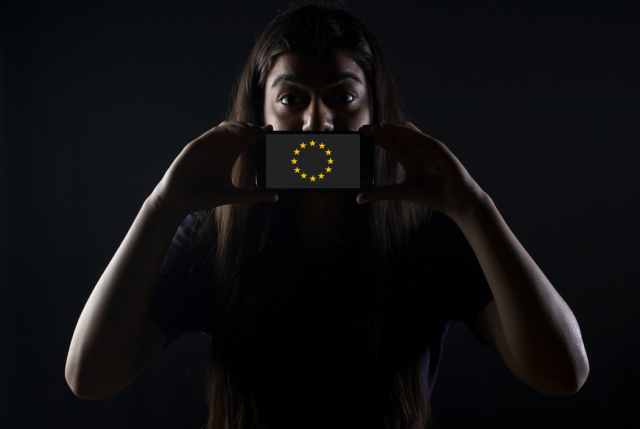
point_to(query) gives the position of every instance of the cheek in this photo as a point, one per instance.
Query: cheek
(365, 114)
(270, 111)
(269, 115)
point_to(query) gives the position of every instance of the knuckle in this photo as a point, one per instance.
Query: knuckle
(232, 124)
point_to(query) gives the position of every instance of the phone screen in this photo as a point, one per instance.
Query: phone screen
(312, 161)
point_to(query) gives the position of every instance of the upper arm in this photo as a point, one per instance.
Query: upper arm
(152, 342)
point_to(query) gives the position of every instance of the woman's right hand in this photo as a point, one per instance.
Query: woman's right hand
(200, 177)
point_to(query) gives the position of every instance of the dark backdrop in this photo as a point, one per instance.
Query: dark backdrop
(538, 100)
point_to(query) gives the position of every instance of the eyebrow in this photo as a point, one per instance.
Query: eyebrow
(340, 76)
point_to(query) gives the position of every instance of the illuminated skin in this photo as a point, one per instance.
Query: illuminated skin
(314, 104)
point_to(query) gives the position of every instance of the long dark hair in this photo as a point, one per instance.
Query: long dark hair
(238, 234)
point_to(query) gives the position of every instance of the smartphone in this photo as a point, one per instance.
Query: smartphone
(308, 161)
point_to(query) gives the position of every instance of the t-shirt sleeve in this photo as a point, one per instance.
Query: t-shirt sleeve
(469, 289)
(178, 301)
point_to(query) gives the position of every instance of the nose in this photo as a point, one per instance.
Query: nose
(317, 117)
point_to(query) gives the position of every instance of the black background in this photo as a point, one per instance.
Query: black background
(538, 100)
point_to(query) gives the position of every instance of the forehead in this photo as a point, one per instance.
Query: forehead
(310, 69)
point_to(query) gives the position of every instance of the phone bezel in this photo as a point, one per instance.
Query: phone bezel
(367, 180)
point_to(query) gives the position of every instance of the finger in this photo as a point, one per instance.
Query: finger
(245, 126)
(405, 123)
(367, 127)
(255, 128)
(232, 122)
(424, 144)
(261, 132)
(442, 160)
(248, 133)
(388, 192)
(400, 152)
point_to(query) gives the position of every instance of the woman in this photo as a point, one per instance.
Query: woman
(323, 310)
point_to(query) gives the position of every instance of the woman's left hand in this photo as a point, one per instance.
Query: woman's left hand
(435, 177)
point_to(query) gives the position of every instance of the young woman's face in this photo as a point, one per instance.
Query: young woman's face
(304, 93)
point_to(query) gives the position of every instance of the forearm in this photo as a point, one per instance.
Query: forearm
(540, 329)
(109, 332)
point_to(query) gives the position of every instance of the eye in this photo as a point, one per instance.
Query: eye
(294, 96)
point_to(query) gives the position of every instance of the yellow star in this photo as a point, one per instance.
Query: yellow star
(302, 145)
(297, 170)
(328, 152)
(313, 178)
(321, 145)
(304, 175)
(297, 152)
(330, 161)
(293, 161)
(328, 169)
(313, 143)
(321, 176)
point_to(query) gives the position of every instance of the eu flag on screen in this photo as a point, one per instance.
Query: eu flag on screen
(312, 161)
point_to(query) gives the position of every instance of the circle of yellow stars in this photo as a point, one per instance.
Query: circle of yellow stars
(304, 175)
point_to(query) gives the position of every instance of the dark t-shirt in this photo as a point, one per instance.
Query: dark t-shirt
(296, 346)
